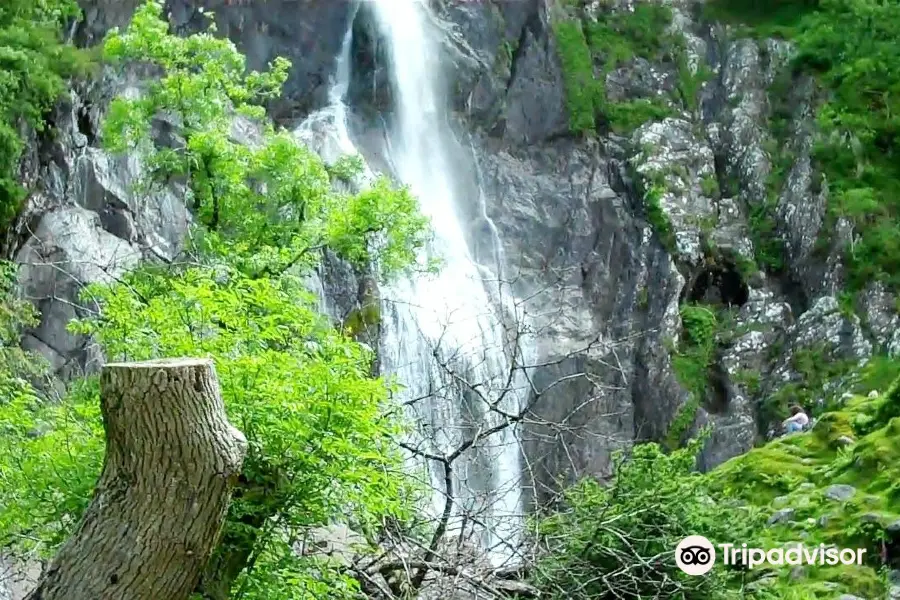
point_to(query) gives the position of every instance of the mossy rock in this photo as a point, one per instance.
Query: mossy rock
(799, 469)
(362, 319)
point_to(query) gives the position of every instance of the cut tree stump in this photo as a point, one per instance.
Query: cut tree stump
(172, 459)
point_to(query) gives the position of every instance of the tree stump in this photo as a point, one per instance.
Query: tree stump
(172, 459)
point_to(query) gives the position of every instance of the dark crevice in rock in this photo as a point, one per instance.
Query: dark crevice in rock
(891, 549)
(716, 401)
(727, 184)
(794, 294)
(519, 50)
(370, 91)
(85, 126)
(719, 283)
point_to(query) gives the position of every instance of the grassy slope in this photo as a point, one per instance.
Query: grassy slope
(795, 471)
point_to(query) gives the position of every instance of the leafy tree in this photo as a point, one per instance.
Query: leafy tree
(17, 368)
(34, 63)
(321, 444)
(267, 206)
(320, 427)
(618, 540)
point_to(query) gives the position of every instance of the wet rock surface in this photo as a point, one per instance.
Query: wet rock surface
(603, 289)
(309, 33)
(572, 220)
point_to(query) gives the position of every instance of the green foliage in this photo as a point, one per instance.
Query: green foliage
(30, 511)
(346, 168)
(652, 194)
(50, 457)
(592, 542)
(850, 46)
(682, 422)
(700, 325)
(578, 74)
(618, 37)
(321, 428)
(798, 469)
(690, 83)
(17, 368)
(270, 206)
(34, 62)
(709, 185)
(321, 444)
(618, 541)
(590, 49)
(625, 117)
(621, 36)
(691, 364)
(505, 54)
(750, 380)
(768, 248)
(878, 374)
(820, 376)
(697, 352)
(764, 18)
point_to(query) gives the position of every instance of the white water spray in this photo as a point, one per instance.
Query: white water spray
(441, 336)
(448, 318)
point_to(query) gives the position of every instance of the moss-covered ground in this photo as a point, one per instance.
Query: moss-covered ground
(856, 444)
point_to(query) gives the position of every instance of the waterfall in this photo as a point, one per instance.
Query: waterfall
(443, 336)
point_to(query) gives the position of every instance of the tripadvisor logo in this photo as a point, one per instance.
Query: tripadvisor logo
(696, 555)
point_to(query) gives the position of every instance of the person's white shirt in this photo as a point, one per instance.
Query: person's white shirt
(800, 419)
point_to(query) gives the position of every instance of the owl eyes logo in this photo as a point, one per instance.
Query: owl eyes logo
(695, 555)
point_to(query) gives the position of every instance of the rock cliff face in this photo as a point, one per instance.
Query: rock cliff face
(579, 217)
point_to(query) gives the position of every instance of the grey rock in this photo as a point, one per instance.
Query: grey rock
(844, 441)
(310, 37)
(870, 518)
(880, 315)
(534, 98)
(840, 492)
(893, 528)
(782, 516)
(849, 597)
(670, 152)
(506, 74)
(69, 249)
(18, 577)
(780, 501)
(88, 222)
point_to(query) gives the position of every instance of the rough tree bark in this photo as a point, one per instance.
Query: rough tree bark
(172, 459)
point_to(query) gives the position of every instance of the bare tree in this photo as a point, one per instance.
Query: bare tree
(447, 563)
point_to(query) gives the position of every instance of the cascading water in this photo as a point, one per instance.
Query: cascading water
(442, 335)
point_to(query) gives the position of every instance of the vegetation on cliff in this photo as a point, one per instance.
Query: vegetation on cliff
(320, 427)
(835, 485)
(849, 47)
(34, 64)
(592, 47)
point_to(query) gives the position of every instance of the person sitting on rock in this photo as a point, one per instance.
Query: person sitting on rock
(797, 421)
